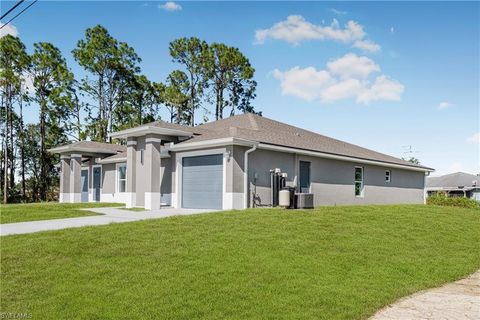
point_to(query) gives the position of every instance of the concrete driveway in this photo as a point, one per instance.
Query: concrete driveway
(458, 300)
(109, 215)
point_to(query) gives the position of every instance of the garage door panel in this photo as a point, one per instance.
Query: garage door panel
(202, 182)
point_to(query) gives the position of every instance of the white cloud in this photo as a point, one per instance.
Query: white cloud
(351, 65)
(474, 138)
(170, 6)
(367, 45)
(8, 29)
(383, 88)
(304, 83)
(338, 12)
(444, 105)
(343, 78)
(392, 29)
(295, 29)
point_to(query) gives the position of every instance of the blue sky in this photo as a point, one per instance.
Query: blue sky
(397, 74)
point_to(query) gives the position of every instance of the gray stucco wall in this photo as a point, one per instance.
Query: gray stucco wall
(140, 174)
(332, 181)
(108, 178)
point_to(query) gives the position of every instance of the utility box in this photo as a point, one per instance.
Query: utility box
(284, 198)
(304, 200)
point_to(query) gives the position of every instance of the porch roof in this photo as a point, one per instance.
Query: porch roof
(89, 148)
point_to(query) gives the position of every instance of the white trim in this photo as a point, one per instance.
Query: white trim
(76, 155)
(115, 160)
(118, 165)
(75, 197)
(246, 185)
(177, 196)
(64, 197)
(131, 198)
(152, 200)
(152, 140)
(131, 143)
(144, 130)
(184, 146)
(338, 157)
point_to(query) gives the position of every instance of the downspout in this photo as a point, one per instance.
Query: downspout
(245, 177)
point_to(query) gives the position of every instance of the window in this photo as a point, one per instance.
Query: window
(388, 176)
(358, 181)
(122, 178)
(304, 177)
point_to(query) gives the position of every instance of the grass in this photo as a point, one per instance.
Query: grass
(134, 209)
(328, 263)
(10, 213)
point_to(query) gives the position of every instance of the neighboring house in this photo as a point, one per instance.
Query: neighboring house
(226, 164)
(457, 184)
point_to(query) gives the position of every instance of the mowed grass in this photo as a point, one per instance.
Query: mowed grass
(328, 263)
(21, 212)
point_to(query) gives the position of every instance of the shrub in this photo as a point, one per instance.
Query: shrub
(442, 200)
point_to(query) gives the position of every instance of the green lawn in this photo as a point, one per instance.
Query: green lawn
(48, 210)
(329, 263)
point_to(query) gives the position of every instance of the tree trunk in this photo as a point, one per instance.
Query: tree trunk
(5, 150)
(22, 152)
(12, 154)
(43, 177)
(192, 98)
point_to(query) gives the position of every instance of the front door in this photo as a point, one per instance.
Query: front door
(84, 185)
(97, 176)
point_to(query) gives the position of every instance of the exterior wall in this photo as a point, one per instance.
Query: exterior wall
(332, 181)
(140, 173)
(167, 181)
(109, 185)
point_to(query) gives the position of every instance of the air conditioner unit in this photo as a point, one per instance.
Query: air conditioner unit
(304, 200)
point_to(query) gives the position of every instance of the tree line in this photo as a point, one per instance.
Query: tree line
(214, 79)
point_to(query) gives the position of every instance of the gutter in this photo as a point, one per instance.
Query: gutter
(245, 175)
(183, 146)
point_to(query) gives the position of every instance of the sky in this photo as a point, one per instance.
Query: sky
(398, 78)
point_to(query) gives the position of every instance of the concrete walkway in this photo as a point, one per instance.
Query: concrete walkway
(109, 215)
(458, 300)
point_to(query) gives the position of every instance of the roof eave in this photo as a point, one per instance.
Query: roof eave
(70, 149)
(211, 143)
(144, 130)
(341, 157)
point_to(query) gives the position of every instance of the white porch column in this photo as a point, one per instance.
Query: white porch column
(131, 172)
(152, 168)
(64, 195)
(75, 178)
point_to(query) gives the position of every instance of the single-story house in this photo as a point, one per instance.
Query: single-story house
(226, 164)
(459, 184)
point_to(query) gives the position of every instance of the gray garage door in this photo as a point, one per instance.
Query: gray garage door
(202, 178)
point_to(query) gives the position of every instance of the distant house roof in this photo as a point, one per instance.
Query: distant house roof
(90, 147)
(458, 180)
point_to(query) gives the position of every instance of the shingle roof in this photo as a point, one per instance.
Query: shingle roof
(118, 156)
(260, 129)
(92, 146)
(453, 180)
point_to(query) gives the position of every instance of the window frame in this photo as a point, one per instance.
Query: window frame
(117, 177)
(388, 176)
(355, 181)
